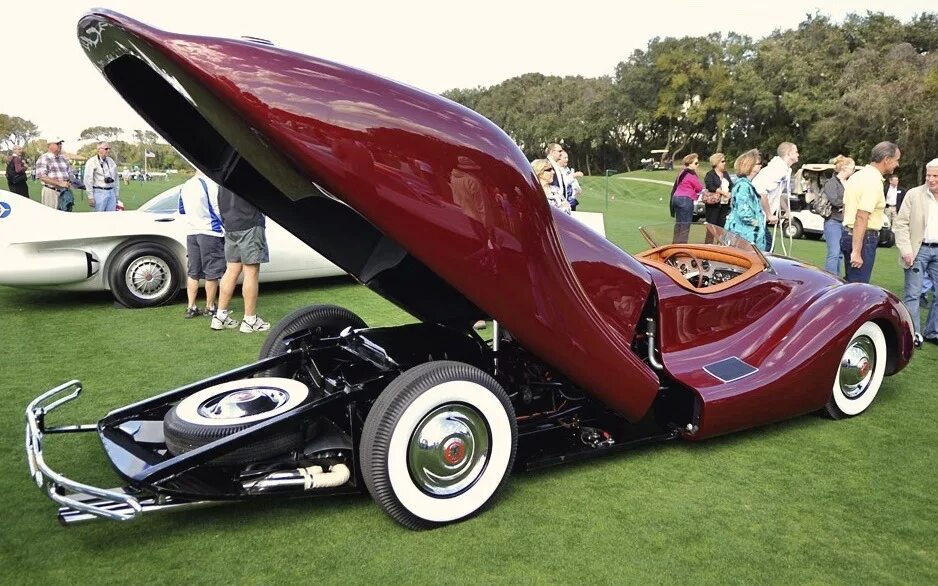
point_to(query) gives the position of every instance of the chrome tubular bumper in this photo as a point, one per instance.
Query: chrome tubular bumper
(73, 496)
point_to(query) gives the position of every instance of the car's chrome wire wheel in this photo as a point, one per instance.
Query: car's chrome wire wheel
(859, 373)
(148, 277)
(449, 450)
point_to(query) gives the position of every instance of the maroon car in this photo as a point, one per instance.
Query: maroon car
(436, 209)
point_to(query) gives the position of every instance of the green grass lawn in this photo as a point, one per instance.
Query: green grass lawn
(805, 501)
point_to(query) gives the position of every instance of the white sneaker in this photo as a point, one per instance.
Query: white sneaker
(259, 325)
(221, 324)
(917, 340)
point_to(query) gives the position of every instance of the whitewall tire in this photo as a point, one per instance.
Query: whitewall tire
(438, 444)
(860, 373)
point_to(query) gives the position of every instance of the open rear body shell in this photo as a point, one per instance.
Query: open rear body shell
(436, 209)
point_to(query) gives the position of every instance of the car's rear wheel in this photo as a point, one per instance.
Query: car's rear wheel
(438, 444)
(144, 275)
(322, 320)
(860, 373)
(227, 408)
(793, 228)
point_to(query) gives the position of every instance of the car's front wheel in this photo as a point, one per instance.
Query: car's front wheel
(438, 444)
(144, 275)
(859, 373)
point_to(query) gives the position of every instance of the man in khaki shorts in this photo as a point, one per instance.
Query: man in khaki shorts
(245, 250)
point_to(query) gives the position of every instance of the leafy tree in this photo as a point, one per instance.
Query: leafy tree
(893, 103)
(16, 131)
(823, 85)
(101, 133)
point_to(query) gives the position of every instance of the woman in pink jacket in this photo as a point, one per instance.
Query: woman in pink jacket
(683, 195)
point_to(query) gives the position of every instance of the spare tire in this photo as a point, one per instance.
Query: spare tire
(227, 408)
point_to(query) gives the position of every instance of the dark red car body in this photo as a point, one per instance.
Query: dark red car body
(436, 209)
(275, 126)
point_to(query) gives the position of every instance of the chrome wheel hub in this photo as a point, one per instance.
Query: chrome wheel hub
(857, 366)
(148, 277)
(243, 403)
(448, 450)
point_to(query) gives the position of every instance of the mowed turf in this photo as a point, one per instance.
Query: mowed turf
(804, 501)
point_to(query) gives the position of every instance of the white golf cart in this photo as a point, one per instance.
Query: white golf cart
(659, 161)
(806, 186)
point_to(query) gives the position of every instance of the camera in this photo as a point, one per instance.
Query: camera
(109, 180)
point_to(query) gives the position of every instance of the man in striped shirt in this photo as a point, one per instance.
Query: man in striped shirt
(53, 170)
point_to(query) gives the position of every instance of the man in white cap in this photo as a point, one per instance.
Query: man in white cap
(53, 171)
(916, 230)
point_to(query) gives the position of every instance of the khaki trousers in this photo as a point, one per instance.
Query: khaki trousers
(50, 197)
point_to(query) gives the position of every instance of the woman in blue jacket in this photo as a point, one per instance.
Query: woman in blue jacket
(746, 217)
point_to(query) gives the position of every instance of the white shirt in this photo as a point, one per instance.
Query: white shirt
(891, 194)
(773, 180)
(558, 174)
(200, 206)
(96, 169)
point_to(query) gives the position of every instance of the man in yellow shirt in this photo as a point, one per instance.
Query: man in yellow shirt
(864, 211)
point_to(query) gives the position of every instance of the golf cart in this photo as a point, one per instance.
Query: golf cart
(659, 161)
(806, 187)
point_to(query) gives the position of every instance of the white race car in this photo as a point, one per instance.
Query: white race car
(139, 256)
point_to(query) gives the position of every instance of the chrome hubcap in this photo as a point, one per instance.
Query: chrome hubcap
(449, 450)
(243, 403)
(857, 366)
(148, 277)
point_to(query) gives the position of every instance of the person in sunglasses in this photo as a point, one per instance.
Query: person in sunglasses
(102, 183)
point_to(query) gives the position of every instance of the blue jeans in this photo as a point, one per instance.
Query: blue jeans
(683, 216)
(925, 264)
(105, 200)
(867, 253)
(833, 229)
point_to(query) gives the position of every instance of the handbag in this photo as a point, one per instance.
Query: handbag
(822, 206)
(710, 197)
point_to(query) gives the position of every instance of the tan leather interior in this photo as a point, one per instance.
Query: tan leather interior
(657, 257)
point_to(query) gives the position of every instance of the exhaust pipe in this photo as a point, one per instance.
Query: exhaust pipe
(309, 478)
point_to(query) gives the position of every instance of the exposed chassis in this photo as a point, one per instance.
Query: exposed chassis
(556, 424)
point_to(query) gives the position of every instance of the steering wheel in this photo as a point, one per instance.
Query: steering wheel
(676, 252)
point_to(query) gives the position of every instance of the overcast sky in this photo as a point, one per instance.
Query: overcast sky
(433, 45)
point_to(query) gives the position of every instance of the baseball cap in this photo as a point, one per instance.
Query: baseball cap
(55, 140)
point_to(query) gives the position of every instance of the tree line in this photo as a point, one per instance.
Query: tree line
(17, 131)
(831, 88)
